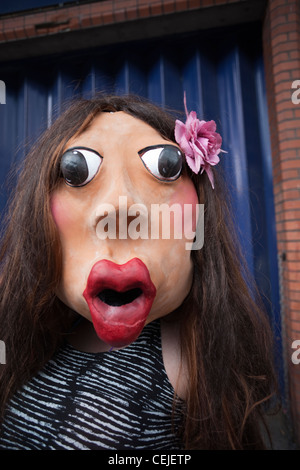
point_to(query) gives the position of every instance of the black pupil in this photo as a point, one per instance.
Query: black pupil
(74, 167)
(169, 162)
(116, 299)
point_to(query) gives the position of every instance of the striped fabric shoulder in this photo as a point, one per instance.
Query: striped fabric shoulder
(115, 400)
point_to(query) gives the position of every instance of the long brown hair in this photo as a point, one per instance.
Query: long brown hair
(225, 334)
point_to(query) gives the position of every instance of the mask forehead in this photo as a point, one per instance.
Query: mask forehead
(115, 127)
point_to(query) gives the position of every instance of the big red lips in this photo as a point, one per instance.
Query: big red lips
(119, 298)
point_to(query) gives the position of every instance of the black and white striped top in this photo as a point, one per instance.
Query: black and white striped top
(114, 400)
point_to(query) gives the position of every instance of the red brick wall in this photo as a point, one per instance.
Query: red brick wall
(282, 63)
(54, 20)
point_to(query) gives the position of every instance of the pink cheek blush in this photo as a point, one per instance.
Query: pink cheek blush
(70, 219)
(61, 212)
(186, 197)
(57, 211)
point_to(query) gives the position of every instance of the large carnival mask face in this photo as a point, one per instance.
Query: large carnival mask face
(125, 256)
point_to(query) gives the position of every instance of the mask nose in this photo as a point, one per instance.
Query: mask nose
(118, 221)
(122, 215)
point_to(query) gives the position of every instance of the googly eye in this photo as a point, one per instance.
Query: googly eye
(163, 161)
(80, 165)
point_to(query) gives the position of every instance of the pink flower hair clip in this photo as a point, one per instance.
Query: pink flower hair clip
(200, 142)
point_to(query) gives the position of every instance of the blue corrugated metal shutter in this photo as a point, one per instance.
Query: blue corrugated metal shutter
(223, 77)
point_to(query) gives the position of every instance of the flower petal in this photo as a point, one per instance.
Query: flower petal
(180, 130)
(213, 159)
(200, 142)
(186, 146)
(192, 164)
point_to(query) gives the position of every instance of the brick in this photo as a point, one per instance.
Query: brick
(294, 256)
(85, 22)
(97, 8)
(292, 225)
(291, 174)
(288, 134)
(282, 28)
(119, 16)
(107, 17)
(290, 65)
(292, 164)
(289, 235)
(295, 307)
(274, 4)
(290, 144)
(96, 20)
(291, 276)
(289, 194)
(278, 39)
(30, 31)
(295, 326)
(294, 316)
(124, 4)
(198, 3)
(291, 287)
(294, 295)
(294, 55)
(282, 56)
(101, 7)
(181, 5)
(284, 90)
(278, 20)
(143, 11)
(131, 14)
(292, 215)
(285, 46)
(206, 3)
(292, 17)
(285, 102)
(73, 24)
(290, 205)
(296, 112)
(293, 36)
(282, 10)
(283, 76)
(284, 115)
(156, 9)
(169, 7)
(9, 35)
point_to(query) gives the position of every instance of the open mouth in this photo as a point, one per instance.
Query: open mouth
(119, 298)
